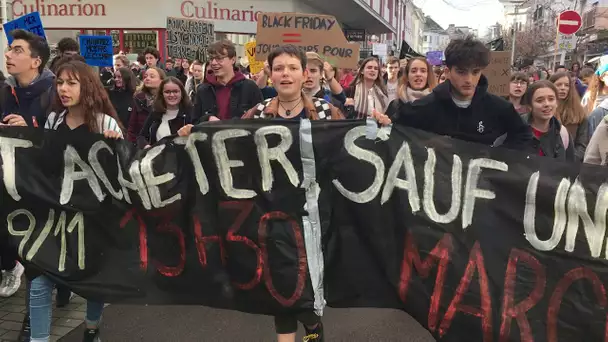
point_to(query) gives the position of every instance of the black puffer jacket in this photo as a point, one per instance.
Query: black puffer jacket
(552, 143)
(488, 117)
(147, 135)
(123, 103)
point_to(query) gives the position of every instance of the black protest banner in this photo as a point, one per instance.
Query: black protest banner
(477, 244)
(189, 38)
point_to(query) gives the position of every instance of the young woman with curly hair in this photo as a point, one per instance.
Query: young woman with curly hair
(85, 106)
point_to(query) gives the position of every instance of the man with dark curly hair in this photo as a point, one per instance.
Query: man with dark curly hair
(461, 107)
(66, 47)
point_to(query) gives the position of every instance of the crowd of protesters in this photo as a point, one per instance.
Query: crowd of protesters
(560, 113)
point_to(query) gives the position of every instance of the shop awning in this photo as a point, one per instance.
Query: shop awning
(356, 17)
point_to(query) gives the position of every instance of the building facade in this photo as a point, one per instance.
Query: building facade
(515, 15)
(418, 31)
(136, 25)
(542, 17)
(594, 42)
(434, 37)
(460, 32)
(493, 32)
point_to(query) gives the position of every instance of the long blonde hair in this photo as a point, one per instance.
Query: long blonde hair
(569, 111)
(142, 87)
(404, 83)
(596, 85)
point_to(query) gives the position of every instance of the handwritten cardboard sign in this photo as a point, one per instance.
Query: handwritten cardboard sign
(189, 38)
(255, 66)
(97, 50)
(499, 72)
(310, 32)
(30, 22)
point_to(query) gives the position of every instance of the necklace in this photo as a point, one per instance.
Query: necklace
(288, 111)
(294, 100)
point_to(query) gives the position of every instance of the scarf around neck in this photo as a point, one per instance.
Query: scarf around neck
(367, 101)
(413, 95)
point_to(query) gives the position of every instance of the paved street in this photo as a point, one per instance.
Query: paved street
(12, 311)
(188, 323)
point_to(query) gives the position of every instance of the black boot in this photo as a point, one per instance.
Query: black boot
(62, 299)
(91, 335)
(314, 335)
(24, 334)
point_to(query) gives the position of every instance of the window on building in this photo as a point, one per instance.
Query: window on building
(136, 41)
(589, 17)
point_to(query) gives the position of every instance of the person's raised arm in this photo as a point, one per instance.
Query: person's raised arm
(263, 75)
(334, 86)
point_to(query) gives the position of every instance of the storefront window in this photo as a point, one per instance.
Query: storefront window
(54, 36)
(138, 41)
(115, 34)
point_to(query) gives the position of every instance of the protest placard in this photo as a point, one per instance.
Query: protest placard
(255, 66)
(309, 32)
(97, 50)
(434, 57)
(30, 22)
(499, 72)
(189, 38)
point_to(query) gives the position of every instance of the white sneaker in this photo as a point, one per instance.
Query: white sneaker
(11, 281)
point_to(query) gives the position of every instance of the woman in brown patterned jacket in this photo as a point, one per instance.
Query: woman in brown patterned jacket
(288, 73)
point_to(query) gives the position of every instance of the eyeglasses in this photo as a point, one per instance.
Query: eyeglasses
(217, 58)
(18, 50)
(519, 83)
(169, 92)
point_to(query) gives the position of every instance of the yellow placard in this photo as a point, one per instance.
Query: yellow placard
(255, 66)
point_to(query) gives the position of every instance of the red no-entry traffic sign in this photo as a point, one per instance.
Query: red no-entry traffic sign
(569, 22)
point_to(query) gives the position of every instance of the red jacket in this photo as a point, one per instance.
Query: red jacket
(139, 116)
